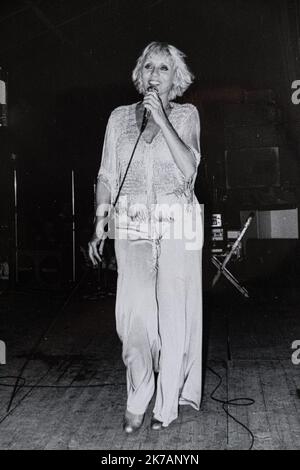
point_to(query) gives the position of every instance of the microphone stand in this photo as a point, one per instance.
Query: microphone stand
(15, 256)
(73, 230)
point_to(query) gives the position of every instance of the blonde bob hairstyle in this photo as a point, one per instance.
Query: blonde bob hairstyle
(183, 77)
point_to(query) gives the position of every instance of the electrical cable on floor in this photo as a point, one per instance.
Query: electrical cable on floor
(23, 385)
(241, 401)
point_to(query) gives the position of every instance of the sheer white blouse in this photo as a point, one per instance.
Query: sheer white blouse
(153, 177)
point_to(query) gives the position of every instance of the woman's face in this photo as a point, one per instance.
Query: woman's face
(158, 71)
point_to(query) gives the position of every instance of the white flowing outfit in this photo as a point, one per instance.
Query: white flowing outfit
(159, 291)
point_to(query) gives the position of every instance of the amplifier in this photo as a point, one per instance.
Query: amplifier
(218, 237)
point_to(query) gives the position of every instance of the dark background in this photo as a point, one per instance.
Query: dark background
(69, 64)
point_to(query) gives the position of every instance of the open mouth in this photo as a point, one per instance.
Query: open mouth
(153, 86)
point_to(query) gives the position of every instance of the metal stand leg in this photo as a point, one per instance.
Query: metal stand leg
(228, 276)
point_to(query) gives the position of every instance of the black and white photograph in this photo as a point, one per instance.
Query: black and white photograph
(149, 227)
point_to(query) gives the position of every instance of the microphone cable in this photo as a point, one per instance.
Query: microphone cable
(144, 123)
(241, 401)
(113, 205)
(146, 115)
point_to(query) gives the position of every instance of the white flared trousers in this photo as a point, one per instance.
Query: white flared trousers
(159, 321)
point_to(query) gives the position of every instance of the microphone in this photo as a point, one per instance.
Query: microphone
(147, 112)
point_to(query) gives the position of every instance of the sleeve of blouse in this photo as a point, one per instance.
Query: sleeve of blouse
(107, 174)
(191, 134)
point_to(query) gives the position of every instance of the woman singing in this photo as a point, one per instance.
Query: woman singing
(158, 238)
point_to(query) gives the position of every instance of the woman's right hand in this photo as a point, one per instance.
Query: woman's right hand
(96, 248)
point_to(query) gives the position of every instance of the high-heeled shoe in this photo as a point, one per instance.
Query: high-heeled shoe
(132, 422)
(155, 424)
